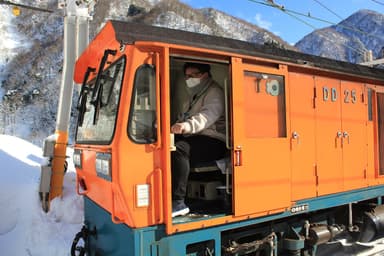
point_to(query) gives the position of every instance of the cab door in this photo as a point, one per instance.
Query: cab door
(303, 138)
(260, 145)
(354, 126)
(329, 136)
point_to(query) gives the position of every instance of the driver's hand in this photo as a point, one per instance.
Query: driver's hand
(177, 128)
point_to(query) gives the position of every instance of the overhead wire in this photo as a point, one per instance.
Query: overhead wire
(337, 15)
(5, 2)
(292, 14)
(378, 2)
(328, 9)
(345, 26)
(309, 16)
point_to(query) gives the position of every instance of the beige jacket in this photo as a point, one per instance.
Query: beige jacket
(205, 111)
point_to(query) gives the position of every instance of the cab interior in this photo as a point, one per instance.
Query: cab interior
(209, 190)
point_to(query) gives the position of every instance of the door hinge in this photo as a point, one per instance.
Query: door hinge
(316, 175)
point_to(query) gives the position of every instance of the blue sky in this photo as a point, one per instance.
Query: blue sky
(286, 26)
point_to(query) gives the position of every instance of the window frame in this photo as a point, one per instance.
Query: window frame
(92, 82)
(281, 111)
(135, 86)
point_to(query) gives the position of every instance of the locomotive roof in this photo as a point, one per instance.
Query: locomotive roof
(129, 32)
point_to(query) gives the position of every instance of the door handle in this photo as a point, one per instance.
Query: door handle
(339, 135)
(238, 156)
(296, 136)
(346, 135)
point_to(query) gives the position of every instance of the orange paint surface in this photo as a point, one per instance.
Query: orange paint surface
(296, 134)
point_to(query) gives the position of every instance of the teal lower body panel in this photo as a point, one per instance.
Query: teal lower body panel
(109, 239)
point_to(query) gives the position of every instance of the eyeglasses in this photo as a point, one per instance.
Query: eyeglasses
(192, 75)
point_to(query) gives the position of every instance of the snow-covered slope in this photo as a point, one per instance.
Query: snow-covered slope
(348, 40)
(25, 229)
(30, 66)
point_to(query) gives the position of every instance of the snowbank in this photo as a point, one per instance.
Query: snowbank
(25, 229)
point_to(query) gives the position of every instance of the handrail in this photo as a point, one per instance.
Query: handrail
(227, 139)
(158, 101)
(159, 213)
(85, 190)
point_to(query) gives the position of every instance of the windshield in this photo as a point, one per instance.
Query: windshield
(97, 119)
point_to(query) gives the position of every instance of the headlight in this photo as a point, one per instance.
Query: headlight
(77, 158)
(103, 165)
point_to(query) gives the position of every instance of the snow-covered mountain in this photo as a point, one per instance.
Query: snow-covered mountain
(174, 14)
(349, 39)
(30, 67)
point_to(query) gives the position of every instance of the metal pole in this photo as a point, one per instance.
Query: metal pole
(82, 34)
(76, 36)
(64, 108)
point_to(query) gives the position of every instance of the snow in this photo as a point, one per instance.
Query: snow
(11, 40)
(346, 41)
(25, 229)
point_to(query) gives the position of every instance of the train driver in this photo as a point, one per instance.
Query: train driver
(199, 130)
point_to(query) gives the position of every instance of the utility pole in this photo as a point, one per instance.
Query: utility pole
(77, 14)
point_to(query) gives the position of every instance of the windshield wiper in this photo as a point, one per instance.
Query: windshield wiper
(98, 88)
(82, 102)
(110, 81)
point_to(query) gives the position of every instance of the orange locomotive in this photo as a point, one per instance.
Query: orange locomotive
(304, 137)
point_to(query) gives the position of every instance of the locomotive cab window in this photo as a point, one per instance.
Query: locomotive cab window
(380, 128)
(98, 111)
(142, 121)
(264, 105)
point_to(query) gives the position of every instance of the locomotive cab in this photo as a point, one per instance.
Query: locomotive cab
(131, 94)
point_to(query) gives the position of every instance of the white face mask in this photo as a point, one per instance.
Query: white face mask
(192, 82)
